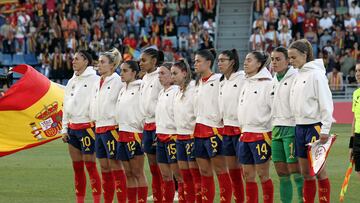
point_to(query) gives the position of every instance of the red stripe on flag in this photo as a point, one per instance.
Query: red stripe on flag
(23, 93)
(27, 147)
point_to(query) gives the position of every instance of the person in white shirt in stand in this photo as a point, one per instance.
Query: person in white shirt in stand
(103, 112)
(150, 60)
(166, 135)
(77, 125)
(131, 124)
(326, 22)
(254, 115)
(312, 106)
(184, 116)
(231, 83)
(283, 132)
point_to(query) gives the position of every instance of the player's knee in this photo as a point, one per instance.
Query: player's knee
(249, 176)
(282, 173)
(167, 176)
(105, 167)
(205, 172)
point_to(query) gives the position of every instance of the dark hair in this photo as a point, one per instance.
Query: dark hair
(233, 55)
(282, 50)
(262, 57)
(183, 65)
(209, 55)
(157, 54)
(134, 66)
(303, 46)
(86, 56)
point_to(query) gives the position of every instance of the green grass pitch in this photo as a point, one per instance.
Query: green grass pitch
(44, 174)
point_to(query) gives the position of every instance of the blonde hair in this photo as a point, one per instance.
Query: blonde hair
(114, 57)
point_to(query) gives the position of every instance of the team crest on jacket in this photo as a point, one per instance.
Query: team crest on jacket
(50, 122)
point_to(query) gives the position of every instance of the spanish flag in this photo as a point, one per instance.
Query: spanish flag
(30, 112)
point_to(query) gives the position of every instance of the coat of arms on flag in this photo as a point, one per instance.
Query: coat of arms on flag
(317, 154)
(30, 111)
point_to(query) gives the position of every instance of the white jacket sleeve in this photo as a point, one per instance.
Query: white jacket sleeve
(325, 102)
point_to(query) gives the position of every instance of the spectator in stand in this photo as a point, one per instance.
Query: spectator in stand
(317, 10)
(271, 14)
(206, 41)
(312, 37)
(133, 17)
(329, 61)
(195, 13)
(260, 24)
(283, 21)
(69, 25)
(324, 38)
(172, 7)
(257, 41)
(335, 78)
(160, 11)
(329, 48)
(341, 9)
(350, 21)
(194, 41)
(56, 60)
(183, 41)
(285, 7)
(350, 78)
(354, 10)
(355, 53)
(285, 37)
(271, 38)
(9, 45)
(338, 37)
(297, 14)
(210, 26)
(350, 38)
(131, 41)
(195, 26)
(310, 21)
(168, 26)
(330, 9)
(347, 62)
(325, 22)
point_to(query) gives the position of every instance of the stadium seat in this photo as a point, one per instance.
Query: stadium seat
(6, 60)
(30, 59)
(18, 59)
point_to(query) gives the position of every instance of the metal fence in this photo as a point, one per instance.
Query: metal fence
(343, 92)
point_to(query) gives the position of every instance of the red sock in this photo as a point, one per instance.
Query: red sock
(108, 185)
(131, 194)
(142, 193)
(156, 183)
(195, 173)
(169, 191)
(120, 185)
(309, 191)
(237, 184)
(207, 189)
(251, 192)
(324, 190)
(189, 189)
(80, 181)
(225, 187)
(181, 193)
(95, 181)
(268, 191)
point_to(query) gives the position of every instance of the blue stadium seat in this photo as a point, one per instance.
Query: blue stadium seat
(31, 60)
(6, 60)
(18, 59)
